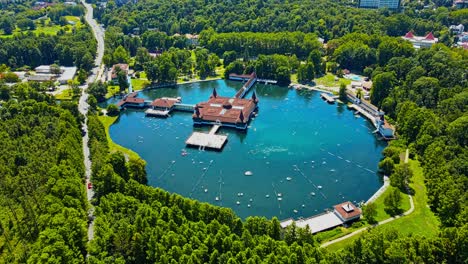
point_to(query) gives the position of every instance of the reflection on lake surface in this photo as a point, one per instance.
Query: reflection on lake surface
(296, 144)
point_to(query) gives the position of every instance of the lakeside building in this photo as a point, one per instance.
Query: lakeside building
(343, 214)
(164, 103)
(391, 4)
(419, 41)
(131, 101)
(231, 112)
(46, 73)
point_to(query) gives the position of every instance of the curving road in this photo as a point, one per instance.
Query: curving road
(83, 106)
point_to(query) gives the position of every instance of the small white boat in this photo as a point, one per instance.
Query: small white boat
(216, 198)
(319, 187)
(280, 194)
(303, 205)
(206, 190)
(295, 211)
(248, 205)
(332, 170)
(237, 202)
(267, 196)
(288, 178)
(251, 200)
(248, 173)
(279, 198)
(312, 193)
(240, 194)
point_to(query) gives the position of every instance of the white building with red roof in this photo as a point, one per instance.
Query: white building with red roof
(342, 214)
(347, 211)
(421, 42)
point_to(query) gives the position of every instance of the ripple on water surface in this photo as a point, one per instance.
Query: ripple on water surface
(304, 155)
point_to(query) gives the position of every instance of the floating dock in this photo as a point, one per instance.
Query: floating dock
(207, 140)
(327, 97)
(156, 113)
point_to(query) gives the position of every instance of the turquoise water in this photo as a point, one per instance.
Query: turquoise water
(295, 144)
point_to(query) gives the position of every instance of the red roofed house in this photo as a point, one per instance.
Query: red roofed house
(131, 101)
(165, 104)
(347, 212)
(231, 112)
(421, 42)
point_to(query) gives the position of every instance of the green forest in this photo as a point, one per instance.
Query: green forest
(44, 211)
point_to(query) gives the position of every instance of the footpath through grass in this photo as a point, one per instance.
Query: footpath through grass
(107, 121)
(421, 221)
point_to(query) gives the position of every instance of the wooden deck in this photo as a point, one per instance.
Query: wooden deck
(205, 140)
(214, 129)
(329, 98)
(368, 115)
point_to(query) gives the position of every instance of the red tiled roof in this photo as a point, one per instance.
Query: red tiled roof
(347, 215)
(163, 103)
(226, 110)
(131, 100)
(135, 100)
(122, 66)
(429, 36)
(409, 35)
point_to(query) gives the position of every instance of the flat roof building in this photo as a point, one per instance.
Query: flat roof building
(391, 4)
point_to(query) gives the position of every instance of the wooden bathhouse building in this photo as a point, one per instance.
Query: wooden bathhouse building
(230, 112)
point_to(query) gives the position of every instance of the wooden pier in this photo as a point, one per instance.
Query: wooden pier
(207, 140)
(214, 129)
(327, 97)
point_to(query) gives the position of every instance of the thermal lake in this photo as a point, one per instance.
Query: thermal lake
(305, 155)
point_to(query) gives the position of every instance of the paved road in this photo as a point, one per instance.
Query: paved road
(379, 223)
(83, 108)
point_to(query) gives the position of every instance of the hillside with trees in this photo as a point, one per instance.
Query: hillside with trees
(42, 196)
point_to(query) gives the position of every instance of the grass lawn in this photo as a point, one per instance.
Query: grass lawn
(379, 202)
(48, 28)
(329, 80)
(421, 221)
(107, 121)
(111, 90)
(139, 84)
(66, 94)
